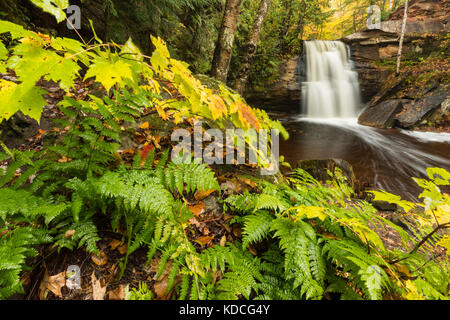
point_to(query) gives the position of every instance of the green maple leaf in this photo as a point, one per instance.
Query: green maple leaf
(21, 97)
(109, 73)
(3, 52)
(65, 72)
(54, 7)
(15, 30)
(37, 62)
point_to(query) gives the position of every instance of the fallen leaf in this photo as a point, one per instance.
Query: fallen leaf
(99, 260)
(161, 285)
(64, 160)
(223, 241)
(53, 284)
(40, 133)
(248, 182)
(252, 250)
(237, 230)
(123, 249)
(194, 222)
(200, 195)
(206, 231)
(160, 288)
(69, 233)
(156, 139)
(198, 208)
(145, 152)
(98, 291)
(114, 244)
(145, 125)
(204, 240)
(118, 293)
(129, 151)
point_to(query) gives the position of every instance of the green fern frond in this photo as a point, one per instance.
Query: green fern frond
(256, 227)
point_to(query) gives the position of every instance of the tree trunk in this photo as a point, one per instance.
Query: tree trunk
(252, 45)
(224, 45)
(402, 36)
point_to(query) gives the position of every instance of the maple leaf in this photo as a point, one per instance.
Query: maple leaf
(145, 152)
(109, 73)
(15, 30)
(54, 7)
(3, 51)
(217, 106)
(16, 97)
(247, 116)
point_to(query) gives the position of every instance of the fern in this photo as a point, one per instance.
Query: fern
(22, 204)
(84, 234)
(16, 245)
(189, 177)
(256, 227)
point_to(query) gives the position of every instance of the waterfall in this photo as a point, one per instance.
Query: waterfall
(332, 88)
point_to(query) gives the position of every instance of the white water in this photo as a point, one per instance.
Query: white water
(332, 88)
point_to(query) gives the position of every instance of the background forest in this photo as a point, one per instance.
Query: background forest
(191, 27)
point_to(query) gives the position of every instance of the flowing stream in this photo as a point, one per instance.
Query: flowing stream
(382, 158)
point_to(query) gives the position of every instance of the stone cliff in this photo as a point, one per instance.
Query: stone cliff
(419, 96)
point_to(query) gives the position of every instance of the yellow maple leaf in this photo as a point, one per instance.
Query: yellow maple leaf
(247, 116)
(217, 106)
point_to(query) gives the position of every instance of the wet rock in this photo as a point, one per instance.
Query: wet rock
(318, 169)
(421, 110)
(17, 129)
(383, 114)
(284, 93)
(384, 206)
(213, 206)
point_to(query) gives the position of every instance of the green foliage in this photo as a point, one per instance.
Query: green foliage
(16, 245)
(54, 7)
(327, 246)
(140, 293)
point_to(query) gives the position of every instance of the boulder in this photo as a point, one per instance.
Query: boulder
(421, 110)
(383, 114)
(318, 169)
(16, 130)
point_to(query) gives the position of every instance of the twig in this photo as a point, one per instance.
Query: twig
(425, 239)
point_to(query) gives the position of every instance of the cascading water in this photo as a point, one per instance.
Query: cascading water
(332, 88)
(381, 158)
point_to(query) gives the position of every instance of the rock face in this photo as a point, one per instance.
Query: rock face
(432, 108)
(415, 112)
(417, 96)
(368, 47)
(383, 116)
(284, 94)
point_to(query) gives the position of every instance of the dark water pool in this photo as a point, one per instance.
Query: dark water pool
(383, 158)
